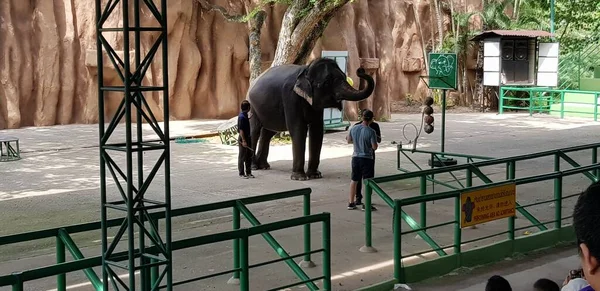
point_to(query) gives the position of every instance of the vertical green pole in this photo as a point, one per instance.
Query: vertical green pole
(244, 253)
(327, 254)
(511, 220)
(307, 260)
(595, 161)
(423, 191)
(596, 107)
(18, 286)
(398, 240)
(368, 222)
(154, 270)
(457, 216)
(61, 279)
(443, 121)
(399, 147)
(501, 107)
(562, 104)
(236, 245)
(579, 69)
(557, 194)
(530, 103)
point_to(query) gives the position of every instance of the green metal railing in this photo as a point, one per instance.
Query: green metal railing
(472, 170)
(573, 66)
(238, 235)
(541, 99)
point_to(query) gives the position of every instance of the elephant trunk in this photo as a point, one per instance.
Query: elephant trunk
(348, 93)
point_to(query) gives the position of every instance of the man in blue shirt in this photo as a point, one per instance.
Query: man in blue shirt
(244, 140)
(364, 139)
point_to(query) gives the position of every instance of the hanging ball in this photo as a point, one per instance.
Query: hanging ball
(428, 128)
(349, 80)
(428, 101)
(428, 110)
(428, 119)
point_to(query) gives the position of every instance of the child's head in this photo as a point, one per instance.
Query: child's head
(545, 285)
(245, 106)
(497, 283)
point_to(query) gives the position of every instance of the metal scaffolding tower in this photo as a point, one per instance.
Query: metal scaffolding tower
(152, 255)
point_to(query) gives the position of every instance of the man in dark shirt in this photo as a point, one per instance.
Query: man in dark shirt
(375, 127)
(244, 141)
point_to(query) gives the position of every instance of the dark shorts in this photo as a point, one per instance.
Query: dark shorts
(362, 168)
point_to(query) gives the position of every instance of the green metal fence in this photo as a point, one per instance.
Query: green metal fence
(239, 236)
(450, 257)
(551, 101)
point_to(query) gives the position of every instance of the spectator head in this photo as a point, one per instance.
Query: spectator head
(497, 283)
(586, 222)
(245, 106)
(367, 115)
(545, 285)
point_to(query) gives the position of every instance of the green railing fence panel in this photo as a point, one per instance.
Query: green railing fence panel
(461, 257)
(551, 101)
(238, 235)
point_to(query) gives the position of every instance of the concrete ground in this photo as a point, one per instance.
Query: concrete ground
(56, 184)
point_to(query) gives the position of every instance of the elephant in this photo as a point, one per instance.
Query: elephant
(293, 98)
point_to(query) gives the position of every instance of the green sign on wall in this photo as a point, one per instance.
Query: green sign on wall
(442, 71)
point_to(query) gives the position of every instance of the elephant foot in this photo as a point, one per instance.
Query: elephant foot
(261, 166)
(299, 176)
(316, 174)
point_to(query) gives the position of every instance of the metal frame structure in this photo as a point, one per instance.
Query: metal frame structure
(133, 203)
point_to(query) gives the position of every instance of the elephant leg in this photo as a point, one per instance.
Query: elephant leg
(315, 144)
(255, 130)
(263, 149)
(298, 134)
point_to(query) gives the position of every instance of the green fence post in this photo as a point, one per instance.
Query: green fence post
(557, 194)
(236, 248)
(595, 161)
(530, 103)
(154, 276)
(562, 104)
(61, 279)
(368, 247)
(244, 264)
(510, 175)
(596, 107)
(327, 253)
(397, 221)
(501, 107)
(18, 286)
(307, 262)
(423, 190)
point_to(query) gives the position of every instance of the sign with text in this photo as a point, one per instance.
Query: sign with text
(488, 204)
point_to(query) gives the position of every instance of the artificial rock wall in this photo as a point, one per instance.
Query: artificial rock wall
(48, 56)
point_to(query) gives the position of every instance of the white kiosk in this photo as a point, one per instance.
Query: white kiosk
(333, 117)
(517, 58)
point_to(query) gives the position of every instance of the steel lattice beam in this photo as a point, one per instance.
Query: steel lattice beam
(155, 269)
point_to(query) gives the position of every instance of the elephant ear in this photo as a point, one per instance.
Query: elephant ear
(303, 87)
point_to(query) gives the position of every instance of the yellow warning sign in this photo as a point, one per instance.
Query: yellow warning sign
(489, 204)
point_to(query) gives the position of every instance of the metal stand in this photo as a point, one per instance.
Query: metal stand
(154, 262)
(443, 161)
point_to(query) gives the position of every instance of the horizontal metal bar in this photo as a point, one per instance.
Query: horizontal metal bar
(78, 228)
(132, 88)
(445, 154)
(535, 204)
(437, 250)
(284, 259)
(485, 237)
(288, 223)
(120, 29)
(296, 284)
(535, 225)
(201, 278)
(498, 161)
(428, 227)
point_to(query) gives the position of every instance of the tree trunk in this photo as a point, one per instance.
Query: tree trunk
(420, 31)
(300, 30)
(255, 50)
(440, 22)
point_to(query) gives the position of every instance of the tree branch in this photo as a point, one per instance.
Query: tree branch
(230, 17)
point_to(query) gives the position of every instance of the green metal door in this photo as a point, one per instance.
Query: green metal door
(333, 117)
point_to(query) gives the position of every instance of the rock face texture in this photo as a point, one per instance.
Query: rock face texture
(48, 68)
